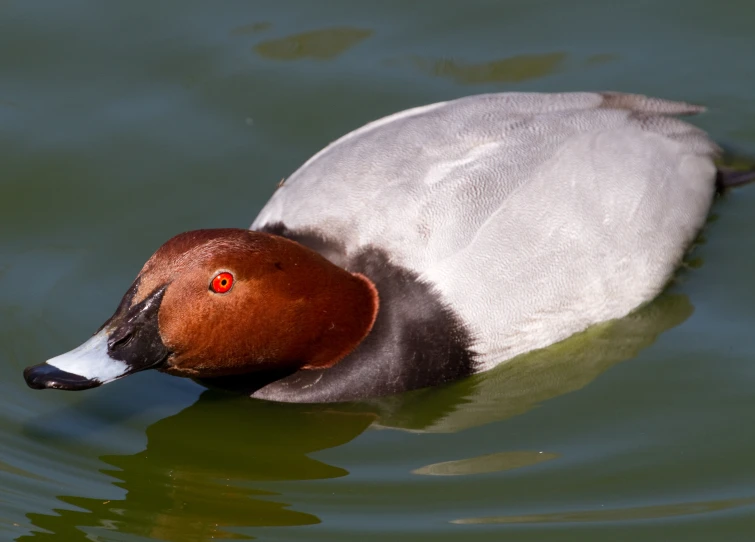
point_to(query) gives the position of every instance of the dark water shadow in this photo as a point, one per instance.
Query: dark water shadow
(195, 478)
(322, 44)
(506, 70)
(208, 469)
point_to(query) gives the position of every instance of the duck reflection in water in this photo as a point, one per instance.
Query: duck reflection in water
(214, 469)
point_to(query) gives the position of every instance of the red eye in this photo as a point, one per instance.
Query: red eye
(222, 283)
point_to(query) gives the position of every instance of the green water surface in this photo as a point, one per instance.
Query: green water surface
(124, 123)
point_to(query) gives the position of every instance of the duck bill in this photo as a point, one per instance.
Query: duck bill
(85, 367)
(128, 343)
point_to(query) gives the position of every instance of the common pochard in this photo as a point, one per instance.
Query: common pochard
(421, 248)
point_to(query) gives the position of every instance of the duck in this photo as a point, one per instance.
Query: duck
(422, 248)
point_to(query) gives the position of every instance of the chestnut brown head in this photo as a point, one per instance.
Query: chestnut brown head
(222, 302)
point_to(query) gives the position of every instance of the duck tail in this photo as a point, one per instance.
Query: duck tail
(727, 178)
(735, 169)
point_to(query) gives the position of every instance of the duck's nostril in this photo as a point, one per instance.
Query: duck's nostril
(120, 340)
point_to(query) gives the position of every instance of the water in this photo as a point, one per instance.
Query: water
(123, 124)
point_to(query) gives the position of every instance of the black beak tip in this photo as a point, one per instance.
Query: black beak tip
(43, 376)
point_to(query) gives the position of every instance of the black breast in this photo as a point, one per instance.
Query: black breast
(416, 341)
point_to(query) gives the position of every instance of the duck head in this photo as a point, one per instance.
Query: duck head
(213, 303)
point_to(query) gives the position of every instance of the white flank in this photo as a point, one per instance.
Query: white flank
(91, 361)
